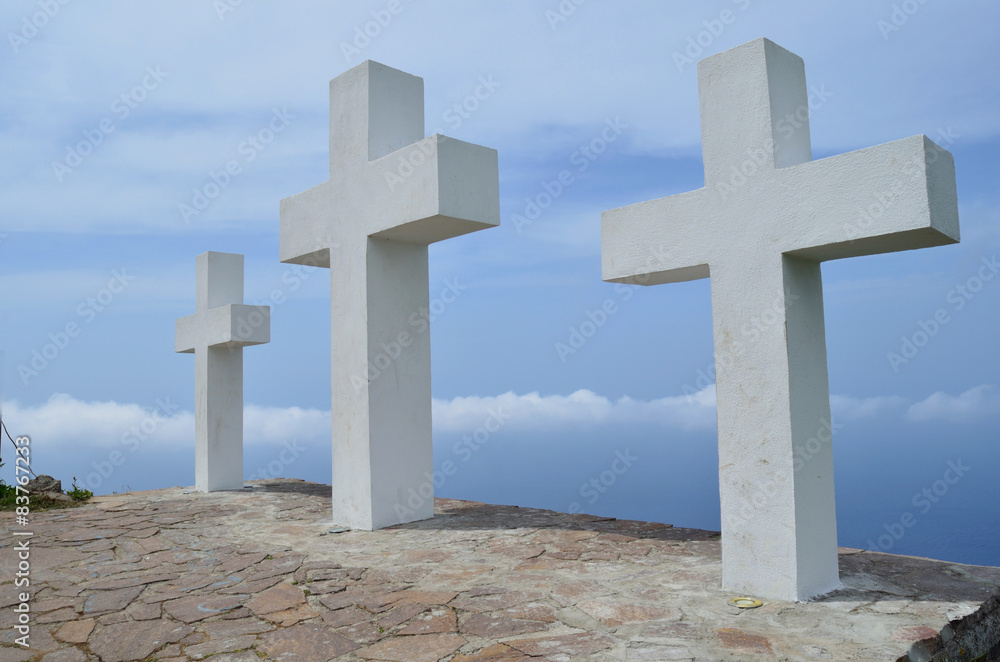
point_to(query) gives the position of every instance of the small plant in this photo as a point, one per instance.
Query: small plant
(77, 493)
(7, 494)
(268, 557)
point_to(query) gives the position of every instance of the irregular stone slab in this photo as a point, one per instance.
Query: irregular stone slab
(496, 626)
(115, 600)
(305, 643)
(15, 654)
(198, 608)
(75, 632)
(345, 617)
(125, 642)
(582, 643)
(494, 653)
(215, 646)
(436, 621)
(224, 629)
(66, 655)
(421, 648)
(58, 616)
(484, 603)
(401, 614)
(292, 616)
(744, 641)
(244, 656)
(279, 598)
(614, 613)
(128, 582)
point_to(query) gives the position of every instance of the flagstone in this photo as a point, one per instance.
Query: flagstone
(581, 643)
(130, 641)
(305, 643)
(495, 625)
(443, 619)
(216, 646)
(75, 632)
(196, 608)
(419, 648)
(494, 653)
(279, 598)
(113, 600)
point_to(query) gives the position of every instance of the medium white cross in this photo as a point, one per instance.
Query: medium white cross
(391, 192)
(216, 334)
(766, 218)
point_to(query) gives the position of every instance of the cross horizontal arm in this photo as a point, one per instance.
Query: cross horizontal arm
(659, 241)
(434, 189)
(437, 188)
(233, 325)
(896, 196)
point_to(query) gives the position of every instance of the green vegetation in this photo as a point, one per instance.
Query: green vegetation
(79, 494)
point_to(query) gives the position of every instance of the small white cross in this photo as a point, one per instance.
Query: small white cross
(216, 334)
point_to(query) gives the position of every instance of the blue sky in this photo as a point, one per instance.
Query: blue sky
(163, 94)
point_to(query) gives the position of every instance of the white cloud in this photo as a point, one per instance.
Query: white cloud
(975, 404)
(848, 408)
(65, 422)
(581, 408)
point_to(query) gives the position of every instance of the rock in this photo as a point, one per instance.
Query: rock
(44, 483)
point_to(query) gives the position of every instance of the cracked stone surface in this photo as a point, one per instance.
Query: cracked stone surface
(254, 575)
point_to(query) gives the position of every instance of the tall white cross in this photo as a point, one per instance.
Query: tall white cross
(391, 192)
(216, 334)
(766, 218)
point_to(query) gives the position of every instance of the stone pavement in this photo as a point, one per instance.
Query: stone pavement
(254, 575)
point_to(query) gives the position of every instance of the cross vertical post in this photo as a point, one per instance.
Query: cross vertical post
(390, 194)
(766, 219)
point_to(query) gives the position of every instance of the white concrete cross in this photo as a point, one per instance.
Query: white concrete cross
(216, 334)
(766, 218)
(391, 192)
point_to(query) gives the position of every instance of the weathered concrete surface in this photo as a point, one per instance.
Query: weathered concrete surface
(246, 576)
